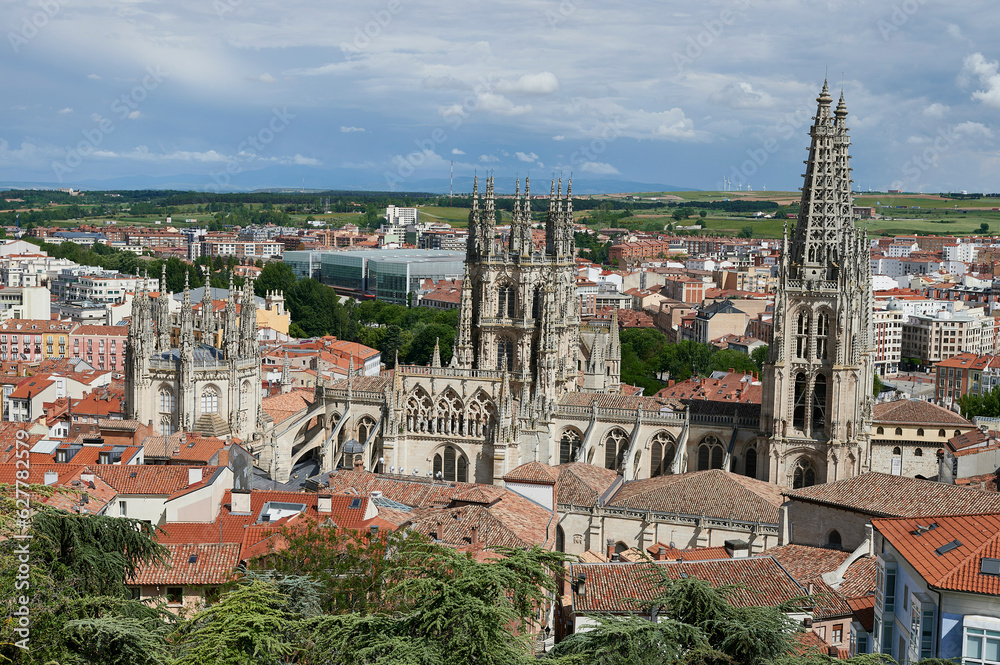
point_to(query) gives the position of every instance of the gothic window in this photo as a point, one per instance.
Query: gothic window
(569, 446)
(505, 354)
(804, 475)
(210, 400)
(819, 404)
(710, 454)
(822, 335)
(615, 446)
(481, 414)
(799, 410)
(536, 304)
(448, 413)
(452, 465)
(507, 301)
(418, 410)
(166, 426)
(167, 404)
(802, 335)
(750, 463)
(365, 428)
(661, 453)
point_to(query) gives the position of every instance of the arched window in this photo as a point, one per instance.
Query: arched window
(804, 475)
(880, 430)
(958, 432)
(365, 428)
(941, 433)
(802, 335)
(505, 354)
(834, 540)
(920, 431)
(750, 463)
(452, 465)
(481, 414)
(569, 446)
(710, 454)
(166, 426)
(819, 404)
(799, 411)
(822, 335)
(536, 304)
(167, 404)
(418, 411)
(615, 447)
(210, 400)
(448, 413)
(661, 454)
(899, 431)
(507, 300)
(918, 453)
(897, 451)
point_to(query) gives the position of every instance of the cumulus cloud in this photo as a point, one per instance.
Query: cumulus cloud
(974, 129)
(65, 111)
(936, 110)
(305, 161)
(135, 115)
(541, 83)
(456, 151)
(350, 130)
(976, 66)
(489, 159)
(94, 77)
(598, 168)
(526, 157)
(494, 103)
(740, 95)
(558, 137)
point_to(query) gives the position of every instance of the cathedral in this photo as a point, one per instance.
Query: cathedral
(189, 371)
(528, 381)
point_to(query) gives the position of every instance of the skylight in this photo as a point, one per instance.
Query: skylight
(944, 549)
(990, 566)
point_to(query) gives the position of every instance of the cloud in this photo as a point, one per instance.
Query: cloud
(263, 78)
(65, 111)
(94, 77)
(741, 95)
(598, 168)
(135, 115)
(974, 129)
(494, 103)
(349, 130)
(305, 161)
(936, 110)
(456, 151)
(541, 83)
(489, 158)
(526, 157)
(977, 66)
(559, 137)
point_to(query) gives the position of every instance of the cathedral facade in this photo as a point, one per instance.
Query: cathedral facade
(191, 371)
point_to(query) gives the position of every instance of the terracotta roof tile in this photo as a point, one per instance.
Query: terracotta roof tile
(885, 495)
(149, 479)
(582, 484)
(190, 564)
(916, 412)
(533, 472)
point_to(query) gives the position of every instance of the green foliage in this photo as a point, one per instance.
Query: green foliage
(633, 640)
(645, 353)
(987, 405)
(746, 232)
(118, 640)
(877, 385)
(759, 356)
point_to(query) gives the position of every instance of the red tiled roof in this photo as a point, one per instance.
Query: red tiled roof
(533, 472)
(885, 495)
(610, 587)
(416, 492)
(916, 412)
(960, 568)
(148, 479)
(581, 484)
(287, 405)
(214, 563)
(714, 493)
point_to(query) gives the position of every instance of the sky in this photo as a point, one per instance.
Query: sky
(387, 94)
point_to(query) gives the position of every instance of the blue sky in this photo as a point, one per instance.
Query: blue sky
(388, 92)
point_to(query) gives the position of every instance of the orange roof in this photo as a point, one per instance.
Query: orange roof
(148, 479)
(201, 563)
(948, 551)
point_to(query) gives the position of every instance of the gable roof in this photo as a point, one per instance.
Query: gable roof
(149, 479)
(533, 472)
(192, 563)
(885, 495)
(714, 493)
(957, 569)
(582, 484)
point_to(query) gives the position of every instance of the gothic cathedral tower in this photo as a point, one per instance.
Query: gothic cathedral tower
(817, 406)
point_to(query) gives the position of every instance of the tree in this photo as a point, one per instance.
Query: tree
(984, 227)
(759, 356)
(746, 232)
(876, 385)
(702, 214)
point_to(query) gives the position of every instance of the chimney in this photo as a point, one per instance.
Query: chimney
(609, 548)
(439, 535)
(87, 477)
(51, 477)
(240, 503)
(376, 494)
(324, 504)
(194, 475)
(474, 536)
(359, 465)
(661, 553)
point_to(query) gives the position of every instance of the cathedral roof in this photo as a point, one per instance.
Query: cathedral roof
(533, 472)
(613, 401)
(203, 353)
(372, 384)
(582, 484)
(284, 406)
(714, 493)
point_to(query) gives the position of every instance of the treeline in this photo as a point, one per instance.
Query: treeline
(646, 356)
(316, 310)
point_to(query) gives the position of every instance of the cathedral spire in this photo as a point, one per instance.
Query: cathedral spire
(475, 222)
(462, 349)
(489, 220)
(436, 359)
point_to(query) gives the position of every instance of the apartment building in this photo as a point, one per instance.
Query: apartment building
(935, 337)
(888, 339)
